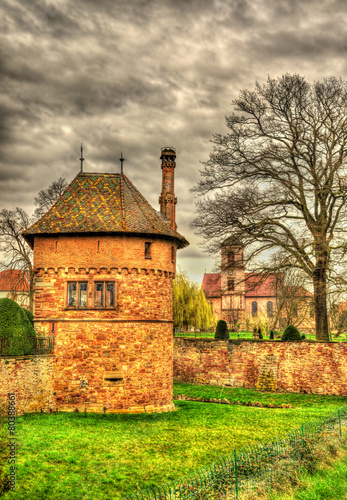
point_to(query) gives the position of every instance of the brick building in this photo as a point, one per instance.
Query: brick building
(238, 296)
(104, 263)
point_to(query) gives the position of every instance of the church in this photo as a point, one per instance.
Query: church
(104, 264)
(245, 299)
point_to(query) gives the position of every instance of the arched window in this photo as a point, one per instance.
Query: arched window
(254, 309)
(172, 254)
(295, 311)
(270, 309)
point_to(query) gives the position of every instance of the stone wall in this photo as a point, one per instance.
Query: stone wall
(30, 378)
(306, 367)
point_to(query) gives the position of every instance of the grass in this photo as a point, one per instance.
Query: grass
(327, 484)
(249, 335)
(86, 456)
(319, 404)
(324, 478)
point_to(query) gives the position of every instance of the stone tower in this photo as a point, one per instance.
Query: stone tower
(105, 263)
(167, 200)
(232, 283)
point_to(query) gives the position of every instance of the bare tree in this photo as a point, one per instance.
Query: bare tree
(277, 180)
(293, 301)
(15, 252)
(47, 197)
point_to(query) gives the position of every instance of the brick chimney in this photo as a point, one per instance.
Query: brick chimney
(167, 200)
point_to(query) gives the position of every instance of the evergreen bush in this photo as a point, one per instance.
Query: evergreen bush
(29, 314)
(291, 333)
(303, 336)
(259, 333)
(272, 334)
(222, 332)
(16, 326)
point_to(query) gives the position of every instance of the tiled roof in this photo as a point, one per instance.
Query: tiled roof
(299, 291)
(103, 203)
(13, 279)
(259, 285)
(256, 285)
(211, 285)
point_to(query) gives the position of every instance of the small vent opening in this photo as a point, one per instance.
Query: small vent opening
(113, 378)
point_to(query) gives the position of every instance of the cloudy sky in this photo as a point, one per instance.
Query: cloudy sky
(134, 76)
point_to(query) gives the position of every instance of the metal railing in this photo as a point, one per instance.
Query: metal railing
(19, 346)
(246, 470)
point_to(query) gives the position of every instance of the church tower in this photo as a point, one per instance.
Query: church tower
(167, 199)
(232, 283)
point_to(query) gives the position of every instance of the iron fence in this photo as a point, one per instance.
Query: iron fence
(245, 471)
(18, 346)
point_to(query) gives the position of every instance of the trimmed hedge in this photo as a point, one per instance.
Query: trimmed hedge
(291, 333)
(29, 315)
(16, 326)
(222, 332)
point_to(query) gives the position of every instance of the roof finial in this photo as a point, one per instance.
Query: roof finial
(121, 159)
(82, 159)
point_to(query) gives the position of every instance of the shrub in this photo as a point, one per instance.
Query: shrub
(29, 314)
(19, 346)
(16, 326)
(222, 332)
(291, 333)
(272, 334)
(303, 336)
(258, 331)
(13, 320)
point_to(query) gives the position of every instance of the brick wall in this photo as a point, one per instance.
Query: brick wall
(81, 251)
(311, 367)
(31, 379)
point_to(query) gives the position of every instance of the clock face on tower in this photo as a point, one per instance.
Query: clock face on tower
(231, 272)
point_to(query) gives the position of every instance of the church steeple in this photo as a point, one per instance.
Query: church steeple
(232, 282)
(167, 199)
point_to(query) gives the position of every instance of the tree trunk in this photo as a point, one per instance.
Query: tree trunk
(320, 302)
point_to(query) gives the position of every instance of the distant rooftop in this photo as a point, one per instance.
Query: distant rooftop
(13, 279)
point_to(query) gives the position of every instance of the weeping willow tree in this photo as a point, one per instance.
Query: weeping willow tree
(190, 307)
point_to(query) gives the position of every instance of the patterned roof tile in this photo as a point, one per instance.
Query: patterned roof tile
(106, 203)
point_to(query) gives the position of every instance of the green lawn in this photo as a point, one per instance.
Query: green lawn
(248, 335)
(77, 456)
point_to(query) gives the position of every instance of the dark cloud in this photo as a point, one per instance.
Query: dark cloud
(135, 76)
